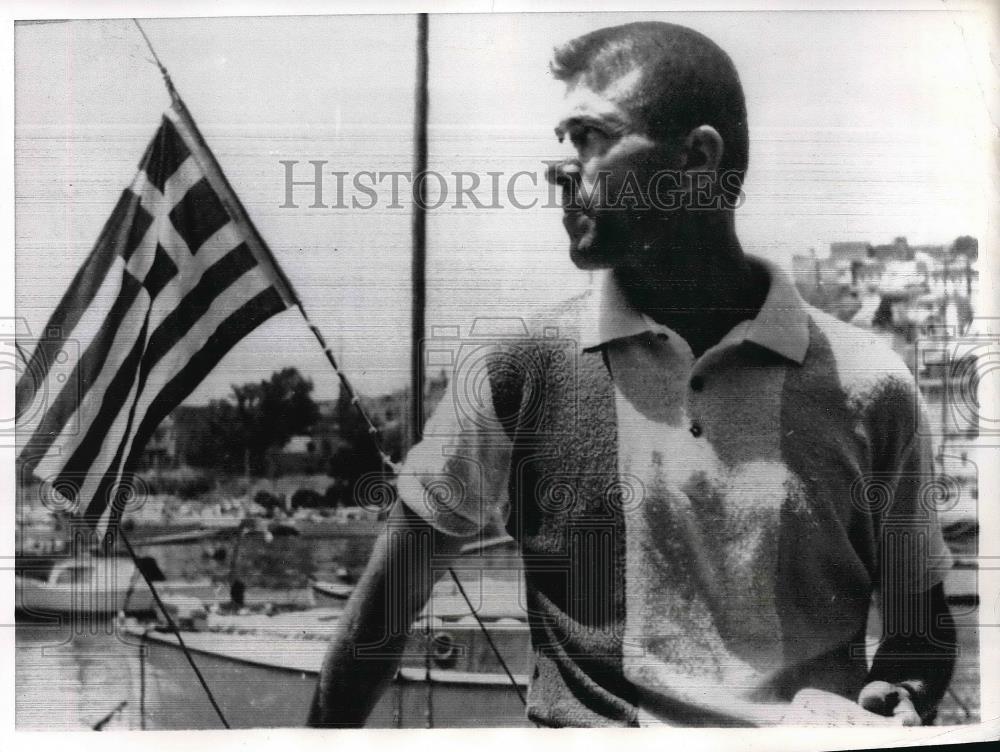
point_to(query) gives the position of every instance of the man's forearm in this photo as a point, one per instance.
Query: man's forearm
(921, 658)
(373, 630)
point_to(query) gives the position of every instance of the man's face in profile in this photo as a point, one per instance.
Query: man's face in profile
(607, 210)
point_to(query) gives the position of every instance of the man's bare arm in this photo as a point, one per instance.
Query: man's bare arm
(407, 559)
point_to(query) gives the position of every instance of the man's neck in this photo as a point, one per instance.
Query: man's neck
(699, 286)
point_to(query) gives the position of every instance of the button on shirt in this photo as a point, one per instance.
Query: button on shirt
(703, 548)
(710, 620)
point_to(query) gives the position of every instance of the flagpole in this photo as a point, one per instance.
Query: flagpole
(210, 166)
(260, 249)
(419, 230)
(421, 101)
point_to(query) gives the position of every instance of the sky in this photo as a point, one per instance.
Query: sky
(864, 126)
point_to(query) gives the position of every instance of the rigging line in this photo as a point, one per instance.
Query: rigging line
(99, 726)
(142, 679)
(173, 628)
(352, 395)
(486, 634)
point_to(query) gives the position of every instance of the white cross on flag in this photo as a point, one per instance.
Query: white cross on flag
(178, 276)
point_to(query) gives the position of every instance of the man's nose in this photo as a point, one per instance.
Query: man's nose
(566, 171)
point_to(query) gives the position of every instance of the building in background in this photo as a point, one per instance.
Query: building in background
(911, 295)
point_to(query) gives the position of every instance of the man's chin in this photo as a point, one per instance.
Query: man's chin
(587, 254)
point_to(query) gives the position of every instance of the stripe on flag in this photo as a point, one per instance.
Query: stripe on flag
(177, 277)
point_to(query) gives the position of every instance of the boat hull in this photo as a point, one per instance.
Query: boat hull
(327, 593)
(262, 682)
(42, 599)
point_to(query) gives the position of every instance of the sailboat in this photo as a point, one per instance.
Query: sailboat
(464, 665)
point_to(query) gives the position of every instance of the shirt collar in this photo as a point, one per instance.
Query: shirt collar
(781, 325)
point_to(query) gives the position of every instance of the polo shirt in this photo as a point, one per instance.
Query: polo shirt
(769, 488)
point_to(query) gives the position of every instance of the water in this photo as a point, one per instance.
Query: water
(284, 562)
(71, 673)
(70, 676)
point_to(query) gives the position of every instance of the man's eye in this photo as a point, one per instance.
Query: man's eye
(588, 138)
(584, 136)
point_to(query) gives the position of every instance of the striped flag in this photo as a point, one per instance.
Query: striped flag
(178, 276)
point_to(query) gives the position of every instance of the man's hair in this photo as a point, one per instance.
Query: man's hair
(685, 80)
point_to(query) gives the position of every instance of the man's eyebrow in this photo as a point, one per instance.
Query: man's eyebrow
(609, 123)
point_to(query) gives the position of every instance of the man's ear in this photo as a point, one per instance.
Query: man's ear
(703, 149)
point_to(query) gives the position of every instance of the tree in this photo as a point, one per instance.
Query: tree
(219, 445)
(967, 245)
(259, 416)
(354, 455)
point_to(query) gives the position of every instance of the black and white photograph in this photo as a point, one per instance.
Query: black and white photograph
(429, 369)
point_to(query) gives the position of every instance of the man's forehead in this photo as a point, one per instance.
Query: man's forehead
(584, 101)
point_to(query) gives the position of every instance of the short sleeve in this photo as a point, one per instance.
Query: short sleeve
(456, 478)
(913, 556)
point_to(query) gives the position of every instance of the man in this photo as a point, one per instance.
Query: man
(707, 479)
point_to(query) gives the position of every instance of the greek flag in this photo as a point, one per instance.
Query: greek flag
(178, 276)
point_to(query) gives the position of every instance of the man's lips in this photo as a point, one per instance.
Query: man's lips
(576, 221)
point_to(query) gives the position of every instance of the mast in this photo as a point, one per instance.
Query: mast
(419, 232)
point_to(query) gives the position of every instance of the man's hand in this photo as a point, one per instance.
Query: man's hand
(893, 700)
(912, 668)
